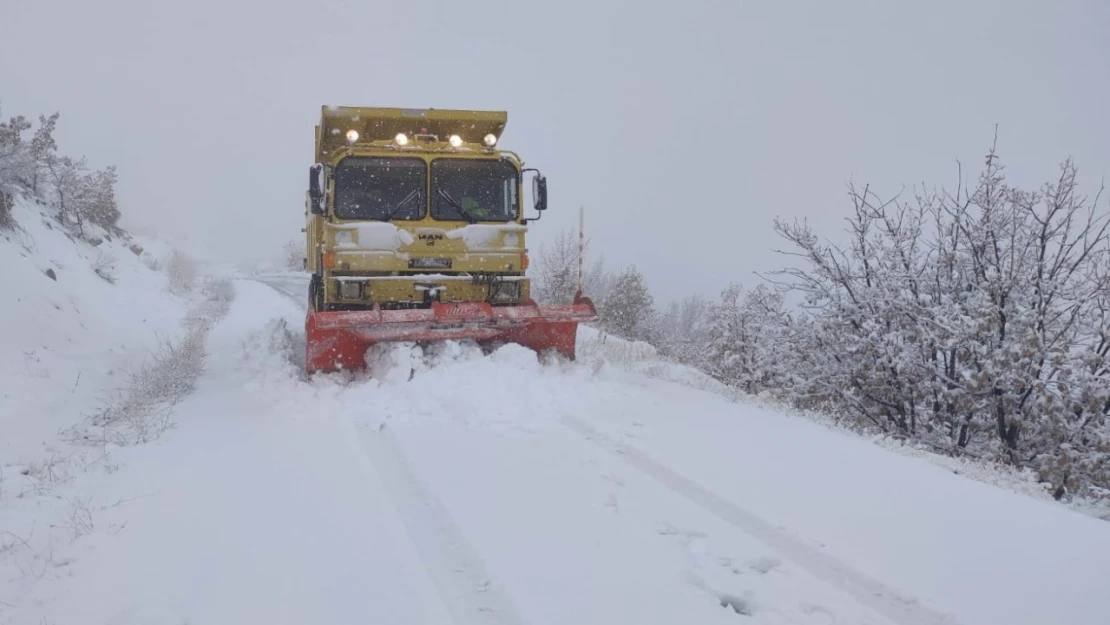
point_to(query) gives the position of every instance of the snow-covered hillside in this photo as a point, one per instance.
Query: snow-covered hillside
(100, 335)
(78, 316)
(450, 486)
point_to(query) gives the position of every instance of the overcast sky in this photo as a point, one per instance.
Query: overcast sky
(683, 127)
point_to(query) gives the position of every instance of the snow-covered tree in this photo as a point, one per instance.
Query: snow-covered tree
(293, 255)
(35, 167)
(556, 275)
(67, 188)
(80, 195)
(683, 330)
(597, 280)
(42, 148)
(7, 202)
(96, 198)
(16, 164)
(555, 272)
(973, 321)
(744, 336)
(628, 310)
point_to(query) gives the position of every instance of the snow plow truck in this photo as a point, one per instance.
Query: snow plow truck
(415, 232)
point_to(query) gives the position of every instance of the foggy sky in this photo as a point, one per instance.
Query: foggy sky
(684, 127)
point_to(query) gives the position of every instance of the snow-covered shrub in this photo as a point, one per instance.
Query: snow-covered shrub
(151, 261)
(217, 294)
(141, 410)
(975, 322)
(181, 271)
(105, 266)
(600, 346)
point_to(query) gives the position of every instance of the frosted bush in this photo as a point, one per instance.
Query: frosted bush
(181, 272)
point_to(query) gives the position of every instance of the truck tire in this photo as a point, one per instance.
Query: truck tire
(316, 293)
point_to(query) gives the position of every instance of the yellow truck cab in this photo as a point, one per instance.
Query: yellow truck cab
(410, 206)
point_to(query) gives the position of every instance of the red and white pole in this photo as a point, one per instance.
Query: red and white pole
(581, 243)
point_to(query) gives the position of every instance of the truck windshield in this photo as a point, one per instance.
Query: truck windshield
(380, 188)
(474, 190)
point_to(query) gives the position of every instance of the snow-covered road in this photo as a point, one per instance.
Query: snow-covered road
(502, 489)
(523, 481)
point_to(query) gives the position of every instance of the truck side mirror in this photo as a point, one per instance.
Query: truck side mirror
(539, 192)
(317, 203)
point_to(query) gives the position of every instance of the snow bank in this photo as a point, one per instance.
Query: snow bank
(599, 348)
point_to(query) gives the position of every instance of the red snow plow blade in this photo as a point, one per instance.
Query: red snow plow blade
(337, 340)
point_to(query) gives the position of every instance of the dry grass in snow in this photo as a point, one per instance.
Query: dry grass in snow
(142, 408)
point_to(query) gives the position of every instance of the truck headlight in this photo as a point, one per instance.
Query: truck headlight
(344, 237)
(506, 291)
(350, 289)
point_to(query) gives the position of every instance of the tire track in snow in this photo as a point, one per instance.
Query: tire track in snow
(870, 592)
(456, 569)
(458, 572)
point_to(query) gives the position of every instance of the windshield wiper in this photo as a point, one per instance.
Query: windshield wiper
(393, 212)
(458, 207)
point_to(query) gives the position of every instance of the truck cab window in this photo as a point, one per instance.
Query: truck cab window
(474, 190)
(380, 188)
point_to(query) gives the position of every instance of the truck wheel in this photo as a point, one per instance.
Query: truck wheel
(316, 293)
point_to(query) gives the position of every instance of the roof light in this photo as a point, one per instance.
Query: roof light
(455, 141)
(401, 139)
(490, 140)
(352, 135)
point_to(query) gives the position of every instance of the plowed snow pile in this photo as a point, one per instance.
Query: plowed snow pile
(452, 486)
